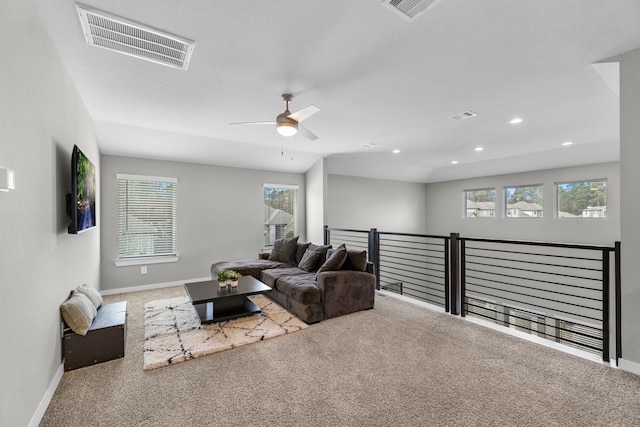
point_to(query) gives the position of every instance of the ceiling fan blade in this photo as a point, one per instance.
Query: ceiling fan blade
(253, 123)
(305, 113)
(306, 133)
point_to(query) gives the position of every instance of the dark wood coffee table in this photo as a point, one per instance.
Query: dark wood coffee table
(215, 304)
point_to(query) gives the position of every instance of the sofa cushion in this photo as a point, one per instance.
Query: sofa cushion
(309, 260)
(91, 293)
(335, 259)
(284, 250)
(246, 267)
(270, 277)
(78, 312)
(302, 288)
(320, 248)
(356, 260)
(300, 250)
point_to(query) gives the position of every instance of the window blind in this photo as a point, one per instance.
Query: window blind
(146, 216)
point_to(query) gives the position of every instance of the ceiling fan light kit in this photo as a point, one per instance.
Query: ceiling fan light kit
(288, 123)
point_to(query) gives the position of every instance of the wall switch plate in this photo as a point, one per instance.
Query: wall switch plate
(143, 269)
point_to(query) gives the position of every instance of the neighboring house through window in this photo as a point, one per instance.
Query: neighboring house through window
(280, 205)
(146, 219)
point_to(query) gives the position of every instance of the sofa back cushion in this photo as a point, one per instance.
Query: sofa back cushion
(284, 250)
(335, 259)
(320, 248)
(356, 260)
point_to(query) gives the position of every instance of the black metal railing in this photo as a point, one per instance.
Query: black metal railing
(415, 265)
(556, 291)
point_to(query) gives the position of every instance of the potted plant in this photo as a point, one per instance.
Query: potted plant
(222, 277)
(233, 276)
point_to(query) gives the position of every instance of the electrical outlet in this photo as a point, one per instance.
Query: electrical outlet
(143, 269)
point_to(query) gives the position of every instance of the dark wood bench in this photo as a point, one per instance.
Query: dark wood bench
(103, 342)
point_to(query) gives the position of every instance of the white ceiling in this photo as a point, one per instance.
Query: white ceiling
(377, 79)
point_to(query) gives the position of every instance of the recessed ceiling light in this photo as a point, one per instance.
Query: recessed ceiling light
(454, 162)
(567, 143)
(479, 148)
(396, 151)
(515, 121)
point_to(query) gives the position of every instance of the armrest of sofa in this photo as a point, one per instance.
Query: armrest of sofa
(346, 291)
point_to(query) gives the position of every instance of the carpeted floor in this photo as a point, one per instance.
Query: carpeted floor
(398, 364)
(173, 333)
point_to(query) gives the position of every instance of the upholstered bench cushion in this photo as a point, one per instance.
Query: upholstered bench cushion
(247, 267)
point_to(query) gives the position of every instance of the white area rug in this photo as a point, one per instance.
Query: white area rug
(173, 333)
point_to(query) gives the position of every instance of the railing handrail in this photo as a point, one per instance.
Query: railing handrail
(536, 243)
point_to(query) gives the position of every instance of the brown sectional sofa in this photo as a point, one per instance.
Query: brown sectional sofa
(313, 282)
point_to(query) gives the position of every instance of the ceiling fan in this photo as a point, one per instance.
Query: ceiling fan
(288, 123)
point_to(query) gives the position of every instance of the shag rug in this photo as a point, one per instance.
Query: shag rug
(173, 333)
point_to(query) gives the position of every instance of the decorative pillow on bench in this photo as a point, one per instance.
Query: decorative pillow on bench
(78, 312)
(91, 293)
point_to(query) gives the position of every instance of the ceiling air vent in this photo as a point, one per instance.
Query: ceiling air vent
(120, 35)
(410, 9)
(464, 115)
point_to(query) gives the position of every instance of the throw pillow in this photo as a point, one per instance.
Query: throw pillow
(300, 250)
(91, 293)
(320, 248)
(356, 260)
(284, 250)
(78, 313)
(309, 260)
(335, 260)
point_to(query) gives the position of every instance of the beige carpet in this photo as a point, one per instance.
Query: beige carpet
(173, 333)
(395, 365)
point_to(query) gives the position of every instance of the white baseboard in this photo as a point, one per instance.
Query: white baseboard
(414, 301)
(629, 366)
(46, 399)
(151, 286)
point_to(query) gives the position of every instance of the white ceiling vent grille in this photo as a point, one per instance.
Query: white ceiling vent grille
(120, 35)
(410, 9)
(464, 115)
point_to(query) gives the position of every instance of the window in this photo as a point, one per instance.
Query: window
(524, 202)
(480, 203)
(280, 206)
(146, 218)
(581, 199)
(525, 321)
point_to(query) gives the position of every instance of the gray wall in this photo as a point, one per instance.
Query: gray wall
(316, 186)
(41, 118)
(362, 203)
(220, 217)
(630, 219)
(445, 209)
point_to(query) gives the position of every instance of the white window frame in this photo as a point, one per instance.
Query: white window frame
(148, 259)
(295, 207)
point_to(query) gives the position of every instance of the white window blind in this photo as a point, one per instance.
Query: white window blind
(280, 205)
(146, 216)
